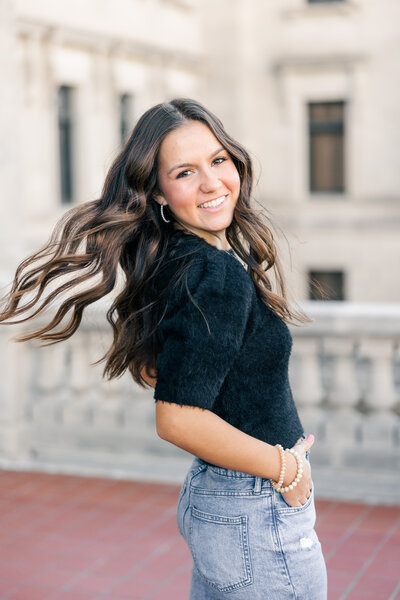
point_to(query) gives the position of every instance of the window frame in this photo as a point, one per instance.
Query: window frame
(125, 116)
(327, 127)
(66, 137)
(312, 275)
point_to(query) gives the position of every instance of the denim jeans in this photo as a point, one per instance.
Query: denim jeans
(245, 540)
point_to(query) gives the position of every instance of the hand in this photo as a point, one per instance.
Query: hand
(301, 493)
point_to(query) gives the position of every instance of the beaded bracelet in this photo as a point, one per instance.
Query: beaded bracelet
(299, 473)
(278, 485)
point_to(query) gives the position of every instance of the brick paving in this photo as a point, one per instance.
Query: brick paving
(81, 538)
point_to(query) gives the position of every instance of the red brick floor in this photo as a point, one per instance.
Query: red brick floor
(79, 538)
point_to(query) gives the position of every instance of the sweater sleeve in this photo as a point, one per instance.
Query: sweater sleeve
(201, 334)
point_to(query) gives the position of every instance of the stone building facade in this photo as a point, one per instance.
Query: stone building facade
(279, 60)
(78, 76)
(311, 87)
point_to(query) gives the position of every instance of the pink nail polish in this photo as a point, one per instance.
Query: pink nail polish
(310, 438)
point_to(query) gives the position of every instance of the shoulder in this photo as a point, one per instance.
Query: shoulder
(201, 333)
(214, 278)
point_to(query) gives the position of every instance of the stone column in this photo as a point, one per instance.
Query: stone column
(13, 425)
(306, 383)
(11, 228)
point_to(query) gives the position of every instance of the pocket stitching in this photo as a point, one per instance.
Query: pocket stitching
(242, 521)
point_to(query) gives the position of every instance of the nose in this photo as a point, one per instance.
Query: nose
(209, 181)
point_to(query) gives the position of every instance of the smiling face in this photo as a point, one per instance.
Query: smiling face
(194, 169)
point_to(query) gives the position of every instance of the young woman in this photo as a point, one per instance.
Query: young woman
(198, 320)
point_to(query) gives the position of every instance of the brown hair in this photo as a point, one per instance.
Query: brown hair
(124, 228)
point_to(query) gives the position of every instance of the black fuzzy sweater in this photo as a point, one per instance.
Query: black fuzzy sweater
(221, 348)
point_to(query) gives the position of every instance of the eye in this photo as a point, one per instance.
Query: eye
(182, 174)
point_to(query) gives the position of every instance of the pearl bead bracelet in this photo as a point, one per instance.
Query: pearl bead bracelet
(299, 473)
(278, 485)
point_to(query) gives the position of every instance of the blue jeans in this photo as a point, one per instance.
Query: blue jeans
(245, 540)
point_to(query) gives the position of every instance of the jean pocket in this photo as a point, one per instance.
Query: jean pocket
(220, 550)
(283, 507)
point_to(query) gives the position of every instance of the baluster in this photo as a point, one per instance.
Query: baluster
(107, 413)
(380, 422)
(343, 419)
(48, 392)
(14, 427)
(95, 342)
(305, 378)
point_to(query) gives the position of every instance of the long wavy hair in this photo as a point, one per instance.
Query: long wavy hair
(124, 228)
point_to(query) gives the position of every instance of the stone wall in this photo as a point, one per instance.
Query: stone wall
(60, 415)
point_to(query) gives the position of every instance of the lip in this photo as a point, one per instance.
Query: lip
(215, 208)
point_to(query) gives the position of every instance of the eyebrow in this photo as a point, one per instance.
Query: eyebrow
(189, 165)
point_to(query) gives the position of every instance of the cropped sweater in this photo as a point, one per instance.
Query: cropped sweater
(220, 347)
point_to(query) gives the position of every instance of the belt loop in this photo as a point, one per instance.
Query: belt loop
(257, 485)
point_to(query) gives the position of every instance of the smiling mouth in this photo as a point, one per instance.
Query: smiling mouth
(214, 203)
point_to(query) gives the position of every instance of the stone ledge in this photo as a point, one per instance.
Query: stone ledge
(333, 484)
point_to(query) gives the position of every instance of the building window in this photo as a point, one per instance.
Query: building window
(326, 139)
(65, 134)
(326, 285)
(125, 117)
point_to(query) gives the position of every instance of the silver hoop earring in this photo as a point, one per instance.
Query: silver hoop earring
(162, 214)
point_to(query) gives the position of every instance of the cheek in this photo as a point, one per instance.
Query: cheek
(232, 179)
(181, 195)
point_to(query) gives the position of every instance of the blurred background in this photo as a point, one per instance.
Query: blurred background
(312, 90)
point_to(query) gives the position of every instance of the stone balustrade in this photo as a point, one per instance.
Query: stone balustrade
(59, 414)
(345, 377)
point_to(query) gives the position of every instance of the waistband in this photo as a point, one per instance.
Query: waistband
(228, 472)
(259, 484)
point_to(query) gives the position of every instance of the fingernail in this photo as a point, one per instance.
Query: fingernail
(310, 438)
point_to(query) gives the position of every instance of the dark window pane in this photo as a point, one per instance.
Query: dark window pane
(125, 117)
(326, 285)
(65, 133)
(326, 131)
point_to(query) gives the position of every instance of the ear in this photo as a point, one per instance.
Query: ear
(160, 199)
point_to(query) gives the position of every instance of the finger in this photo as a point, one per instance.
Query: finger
(306, 444)
(302, 440)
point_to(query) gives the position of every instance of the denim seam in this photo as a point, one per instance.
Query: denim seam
(189, 491)
(279, 542)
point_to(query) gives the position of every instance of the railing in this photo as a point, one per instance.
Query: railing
(57, 413)
(345, 376)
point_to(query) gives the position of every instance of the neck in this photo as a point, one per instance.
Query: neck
(217, 239)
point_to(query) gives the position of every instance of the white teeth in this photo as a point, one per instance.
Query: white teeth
(213, 203)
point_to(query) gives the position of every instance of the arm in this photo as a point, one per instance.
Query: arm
(204, 434)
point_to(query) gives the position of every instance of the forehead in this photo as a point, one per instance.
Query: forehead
(186, 143)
